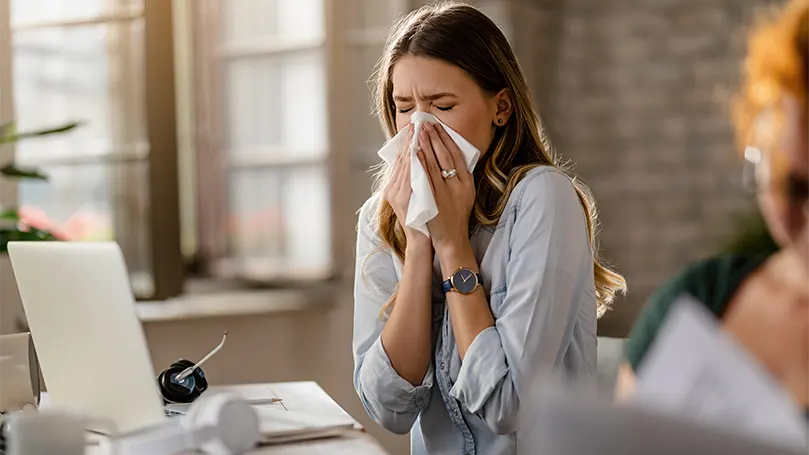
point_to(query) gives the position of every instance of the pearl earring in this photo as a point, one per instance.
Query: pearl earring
(500, 121)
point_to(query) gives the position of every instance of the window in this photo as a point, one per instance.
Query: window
(85, 61)
(242, 150)
(283, 99)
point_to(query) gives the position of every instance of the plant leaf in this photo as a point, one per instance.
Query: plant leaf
(8, 133)
(11, 170)
(14, 234)
(9, 215)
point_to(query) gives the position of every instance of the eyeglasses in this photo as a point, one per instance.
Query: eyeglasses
(792, 189)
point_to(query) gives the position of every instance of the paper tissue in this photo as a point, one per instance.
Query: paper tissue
(422, 207)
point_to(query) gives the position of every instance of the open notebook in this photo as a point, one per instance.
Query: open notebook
(279, 425)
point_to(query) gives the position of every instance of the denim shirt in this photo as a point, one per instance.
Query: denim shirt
(537, 271)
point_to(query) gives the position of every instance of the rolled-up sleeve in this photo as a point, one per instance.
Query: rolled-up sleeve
(548, 282)
(389, 399)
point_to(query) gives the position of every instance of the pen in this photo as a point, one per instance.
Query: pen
(258, 401)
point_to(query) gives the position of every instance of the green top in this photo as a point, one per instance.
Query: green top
(712, 281)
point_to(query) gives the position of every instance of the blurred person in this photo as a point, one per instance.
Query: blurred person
(450, 365)
(760, 299)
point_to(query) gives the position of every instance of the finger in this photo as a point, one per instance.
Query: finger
(441, 153)
(420, 156)
(404, 176)
(432, 168)
(401, 156)
(455, 151)
(397, 169)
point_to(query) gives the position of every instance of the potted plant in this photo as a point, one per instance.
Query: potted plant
(13, 226)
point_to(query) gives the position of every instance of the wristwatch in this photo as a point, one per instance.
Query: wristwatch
(464, 281)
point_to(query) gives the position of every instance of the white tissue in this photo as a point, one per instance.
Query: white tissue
(422, 207)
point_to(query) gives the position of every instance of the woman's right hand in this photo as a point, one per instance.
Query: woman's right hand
(398, 190)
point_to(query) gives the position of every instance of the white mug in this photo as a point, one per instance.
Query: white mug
(19, 372)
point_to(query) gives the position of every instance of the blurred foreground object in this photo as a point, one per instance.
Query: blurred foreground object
(44, 433)
(564, 420)
(698, 371)
(19, 372)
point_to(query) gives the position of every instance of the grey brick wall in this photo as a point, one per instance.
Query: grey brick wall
(635, 93)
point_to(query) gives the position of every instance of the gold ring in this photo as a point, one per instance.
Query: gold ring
(448, 173)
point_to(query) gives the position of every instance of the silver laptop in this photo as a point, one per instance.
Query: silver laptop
(89, 340)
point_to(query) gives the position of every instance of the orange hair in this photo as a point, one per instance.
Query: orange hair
(775, 69)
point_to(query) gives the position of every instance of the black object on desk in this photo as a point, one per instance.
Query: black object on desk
(184, 381)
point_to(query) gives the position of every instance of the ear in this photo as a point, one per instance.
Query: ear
(504, 107)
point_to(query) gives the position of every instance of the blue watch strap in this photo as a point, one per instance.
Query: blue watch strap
(446, 286)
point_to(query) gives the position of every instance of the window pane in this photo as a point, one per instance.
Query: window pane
(31, 11)
(371, 14)
(95, 202)
(276, 101)
(90, 74)
(249, 20)
(366, 136)
(280, 219)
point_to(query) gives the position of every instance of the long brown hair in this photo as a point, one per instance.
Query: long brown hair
(463, 36)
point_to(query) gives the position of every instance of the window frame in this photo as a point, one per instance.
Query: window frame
(214, 163)
(166, 262)
(169, 267)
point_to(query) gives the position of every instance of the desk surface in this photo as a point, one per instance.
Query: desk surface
(311, 398)
(306, 397)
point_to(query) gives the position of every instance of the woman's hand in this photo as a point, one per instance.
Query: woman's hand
(397, 192)
(454, 196)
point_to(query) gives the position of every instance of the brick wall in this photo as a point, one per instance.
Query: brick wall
(634, 92)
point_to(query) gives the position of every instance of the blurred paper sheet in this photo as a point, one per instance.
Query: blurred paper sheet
(695, 369)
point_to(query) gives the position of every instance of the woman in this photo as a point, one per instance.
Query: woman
(762, 300)
(457, 361)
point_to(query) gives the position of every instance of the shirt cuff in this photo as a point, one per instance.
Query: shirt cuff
(389, 389)
(482, 370)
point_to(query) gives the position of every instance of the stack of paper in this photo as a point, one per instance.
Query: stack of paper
(696, 370)
(278, 425)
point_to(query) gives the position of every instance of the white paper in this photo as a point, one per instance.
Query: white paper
(422, 207)
(696, 369)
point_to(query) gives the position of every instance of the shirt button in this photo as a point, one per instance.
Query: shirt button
(442, 365)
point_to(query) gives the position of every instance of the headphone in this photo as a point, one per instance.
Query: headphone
(184, 381)
(218, 424)
(184, 390)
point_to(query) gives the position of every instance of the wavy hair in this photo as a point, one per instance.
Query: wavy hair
(463, 36)
(776, 67)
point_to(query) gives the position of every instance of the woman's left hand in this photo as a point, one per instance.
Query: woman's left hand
(454, 196)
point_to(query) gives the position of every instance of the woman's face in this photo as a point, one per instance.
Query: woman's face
(784, 173)
(446, 91)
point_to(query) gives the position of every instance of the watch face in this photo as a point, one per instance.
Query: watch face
(465, 281)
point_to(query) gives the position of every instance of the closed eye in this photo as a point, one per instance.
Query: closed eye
(445, 109)
(405, 111)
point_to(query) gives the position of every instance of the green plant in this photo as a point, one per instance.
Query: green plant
(751, 237)
(11, 227)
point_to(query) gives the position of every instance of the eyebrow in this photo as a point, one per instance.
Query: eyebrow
(432, 97)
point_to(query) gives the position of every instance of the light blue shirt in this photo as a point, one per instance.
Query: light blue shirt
(537, 270)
